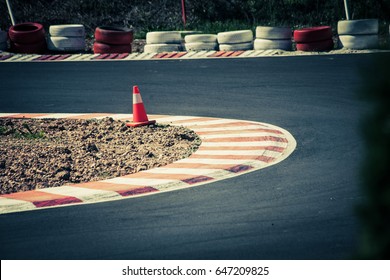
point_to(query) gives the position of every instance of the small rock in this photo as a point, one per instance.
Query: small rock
(92, 148)
(63, 175)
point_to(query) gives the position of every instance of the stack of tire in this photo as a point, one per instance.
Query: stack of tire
(27, 37)
(240, 40)
(110, 39)
(314, 39)
(163, 41)
(66, 38)
(201, 42)
(358, 34)
(268, 38)
(3, 40)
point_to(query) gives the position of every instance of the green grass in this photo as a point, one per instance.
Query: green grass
(26, 133)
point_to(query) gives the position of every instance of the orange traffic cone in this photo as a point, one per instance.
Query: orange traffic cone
(139, 114)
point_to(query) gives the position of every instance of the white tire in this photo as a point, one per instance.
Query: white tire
(200, 46)
(359, 42)
(66, 43)
(358, 27)
(201, 38)
(3, 46)
(67, 30)
(236, 47)
(3, 36)
(274, 33)
(235, 37)
(158, 48)
(163, 37)
(266, 44)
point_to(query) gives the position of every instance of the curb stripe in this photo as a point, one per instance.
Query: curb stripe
(229, 148)
(251, 139)
(10, 57)
(242, 144)
(229, 152)
(237, 134)
(234, 157)
(238, 148)
(238, 131)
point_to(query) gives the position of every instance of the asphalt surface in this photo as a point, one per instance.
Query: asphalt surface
(301, 208)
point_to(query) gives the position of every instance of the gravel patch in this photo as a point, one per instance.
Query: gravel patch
(42, 153)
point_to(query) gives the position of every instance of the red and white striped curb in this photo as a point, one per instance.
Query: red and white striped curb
(229, 148)
(11, 57)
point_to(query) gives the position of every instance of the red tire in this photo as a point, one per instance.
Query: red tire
(34, 48)
(27, 33)
(106, 48)
(114, 35)
(319, 46)
(313, 34)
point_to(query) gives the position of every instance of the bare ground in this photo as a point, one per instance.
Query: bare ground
(37, 154)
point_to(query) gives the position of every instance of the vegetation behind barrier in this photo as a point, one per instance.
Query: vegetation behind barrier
(208, 16)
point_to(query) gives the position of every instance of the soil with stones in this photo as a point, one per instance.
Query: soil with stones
(37, 154)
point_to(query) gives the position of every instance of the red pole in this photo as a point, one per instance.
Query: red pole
(183, 12)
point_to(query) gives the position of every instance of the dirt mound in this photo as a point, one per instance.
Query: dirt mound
(37, 154)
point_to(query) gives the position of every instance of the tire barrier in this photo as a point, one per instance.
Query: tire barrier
(236, 47)
(27, 37)
(273, 38)
(358, 34)
(67, 30)
(66, 38)
(240, 40)
(3, 40)
(157, 48)
(315, 39)
(107, 48)
(201, 42)
(112, 40)
(163, 41)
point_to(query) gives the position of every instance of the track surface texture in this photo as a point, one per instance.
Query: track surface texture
(301, 208)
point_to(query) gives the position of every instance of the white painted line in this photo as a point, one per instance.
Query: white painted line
(144, 56)
(14, 58)
(233, 128)
(244, 144)
(242, 135)
(190, 54)
(131, 56)
(200, 54)
(58, 116)
(13, 205)
(25, 57)
(88, 56)
(232, 152)
(272, 154)
(31, 58)
(140, 181)
(256, 53)
(83, 194)
(247, 53)
(268, 52)
(212, 161)
(189, 171)
(209, 53)
(73, 57)
(159, 184)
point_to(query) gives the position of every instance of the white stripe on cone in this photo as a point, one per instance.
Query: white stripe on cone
(137, 99)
